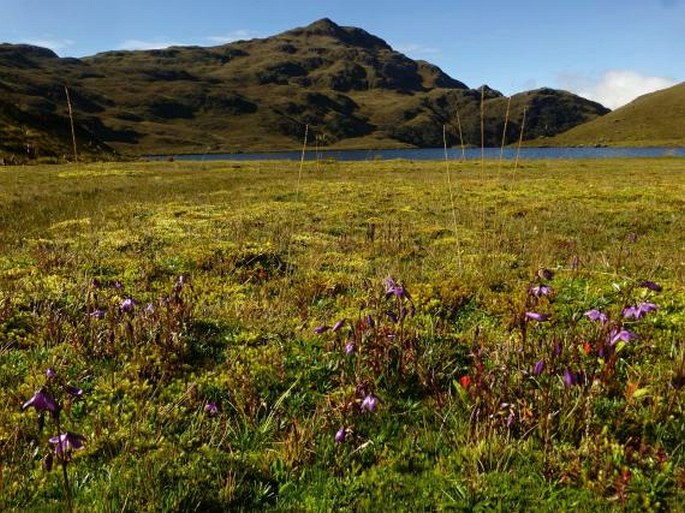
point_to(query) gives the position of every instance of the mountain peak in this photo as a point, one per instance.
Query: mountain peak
(324, 25)
(351, 36)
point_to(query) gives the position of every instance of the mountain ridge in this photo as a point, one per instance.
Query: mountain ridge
(349, 86)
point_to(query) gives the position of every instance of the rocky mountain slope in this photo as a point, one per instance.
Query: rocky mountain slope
(349, 86)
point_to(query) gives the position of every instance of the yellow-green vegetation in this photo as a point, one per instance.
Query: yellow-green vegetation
(655, 119)
(368, 336)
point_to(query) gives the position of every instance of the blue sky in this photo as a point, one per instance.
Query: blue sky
(607, 50)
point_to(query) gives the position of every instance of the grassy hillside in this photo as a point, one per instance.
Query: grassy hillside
(39, 135)
(34, 120)
(349, 86)
(224, 336)
(655, 119)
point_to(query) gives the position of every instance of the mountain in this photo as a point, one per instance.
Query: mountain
(33, 108)
(655, 119)
(349, 86)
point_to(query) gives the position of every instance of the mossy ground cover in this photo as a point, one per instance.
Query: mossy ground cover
(225, 336)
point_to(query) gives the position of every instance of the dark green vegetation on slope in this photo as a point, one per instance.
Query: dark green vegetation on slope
(33, 107)
(655, 119)
(467, 418)
(351, 87)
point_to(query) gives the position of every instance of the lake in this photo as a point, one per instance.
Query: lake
(453, 154)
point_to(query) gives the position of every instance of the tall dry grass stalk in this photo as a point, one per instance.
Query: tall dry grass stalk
(451, 191)
(499, 221)
(304, 151)
(504, 139)
(482, 128)
(289, 240)
(518, 148)
(482, 157)
(461, 135)
(71, 121)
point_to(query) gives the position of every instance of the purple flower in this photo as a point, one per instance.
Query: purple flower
(390, 286)
(338, 325)
(41, 402)
(127, 305)
(50, 373)
(398, 291)
(535, 316)
(321, 329)
(539, 368)
(622, 334)
(570, 378)
(150, 309)
(639, 311)
(369, 403)
(67, 442)
(340, 435)
(540, 290)
(546, 274)
(74, 391)
(118, 285)
(349, 347)
(573, 378)
(511, 417)
(97, 314)
(393, 288)
(392, 316)
(211, 408)
(646, 307)
(651, 285)
(370, 322)
(596, 315)
(631, 312)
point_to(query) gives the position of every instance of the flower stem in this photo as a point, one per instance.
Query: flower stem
(63, 461)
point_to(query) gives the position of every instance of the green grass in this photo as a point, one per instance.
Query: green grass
(265, 263)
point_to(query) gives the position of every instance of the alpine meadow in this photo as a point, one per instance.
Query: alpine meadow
(328, 335)
(378, 335)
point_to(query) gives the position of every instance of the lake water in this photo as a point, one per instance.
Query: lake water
(453, 154)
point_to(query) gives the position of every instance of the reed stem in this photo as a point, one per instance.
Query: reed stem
(71, 121)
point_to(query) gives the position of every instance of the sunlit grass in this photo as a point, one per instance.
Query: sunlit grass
(263, 266)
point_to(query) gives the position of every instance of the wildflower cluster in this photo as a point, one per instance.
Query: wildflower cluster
(379, 349)
(554, 367)
(154, 333)
(52, 398)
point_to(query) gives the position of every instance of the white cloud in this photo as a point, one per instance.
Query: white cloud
(614, 88)
(157, 44)
(236, 35)
(416, 49)
(54, 44)
(137, 44)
